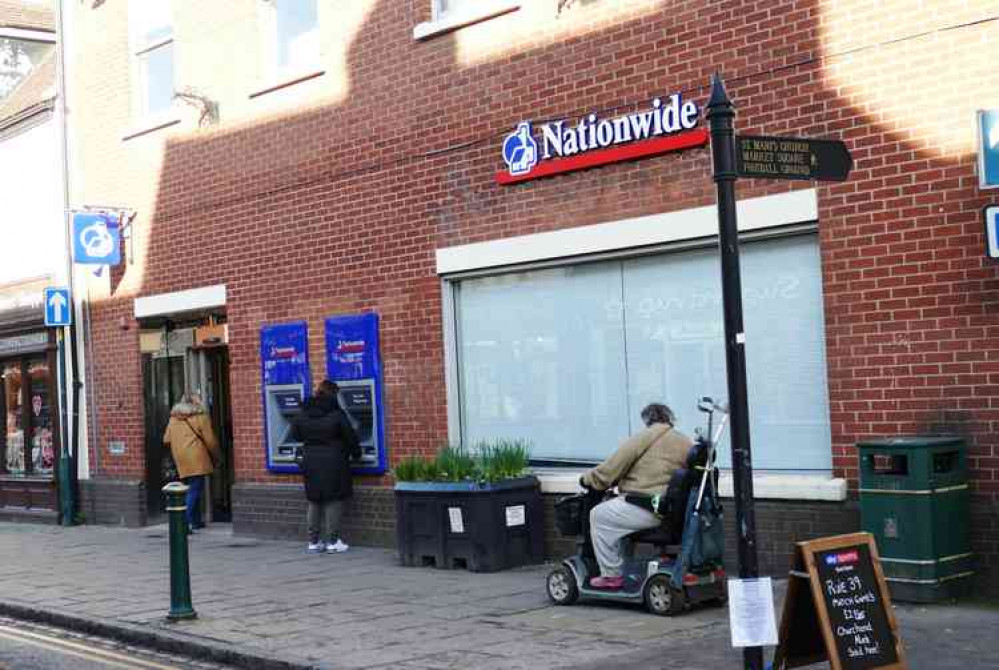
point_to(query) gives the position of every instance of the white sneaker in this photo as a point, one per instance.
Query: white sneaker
(337, 547)
(316, 547)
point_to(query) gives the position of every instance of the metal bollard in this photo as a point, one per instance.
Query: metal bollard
(180, 574)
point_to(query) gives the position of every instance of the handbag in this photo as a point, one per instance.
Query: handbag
(168, 468)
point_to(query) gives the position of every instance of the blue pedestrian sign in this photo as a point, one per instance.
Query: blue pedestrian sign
(988, 148)
(96, 239)
(58, 309)
(992, 231)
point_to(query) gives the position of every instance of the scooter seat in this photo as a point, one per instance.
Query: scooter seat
(658, 537)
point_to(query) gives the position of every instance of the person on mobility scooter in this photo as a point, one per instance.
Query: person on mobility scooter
(667, 498)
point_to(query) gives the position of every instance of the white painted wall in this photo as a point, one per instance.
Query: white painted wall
(32, 237)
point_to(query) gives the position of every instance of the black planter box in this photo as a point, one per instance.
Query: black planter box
(483, 528)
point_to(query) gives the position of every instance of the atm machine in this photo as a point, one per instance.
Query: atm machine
(353, 361)
(283, 402)
(286, 383)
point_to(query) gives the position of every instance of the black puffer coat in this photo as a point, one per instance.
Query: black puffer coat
(330, 442)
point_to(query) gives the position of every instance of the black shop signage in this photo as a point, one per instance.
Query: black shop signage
(838, 608)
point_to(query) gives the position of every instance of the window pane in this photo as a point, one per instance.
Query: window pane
(17, 58)
(42, 446)
(13, 417)
(445, 6)
(297, 33)
(568, 357)
(150, 22)
(541, 357)
(157, 79)
(676, 345)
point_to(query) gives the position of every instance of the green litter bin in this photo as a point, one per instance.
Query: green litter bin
(914, 500)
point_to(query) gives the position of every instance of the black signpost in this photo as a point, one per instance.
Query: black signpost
(765, 157)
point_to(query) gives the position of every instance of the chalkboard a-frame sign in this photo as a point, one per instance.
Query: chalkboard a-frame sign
(838, 608)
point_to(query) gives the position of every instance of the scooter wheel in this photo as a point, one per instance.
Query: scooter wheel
(661, 598)
(561, 585)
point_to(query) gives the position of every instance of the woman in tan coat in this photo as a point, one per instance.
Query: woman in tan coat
(195, 450)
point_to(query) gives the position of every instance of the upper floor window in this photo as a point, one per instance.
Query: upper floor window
(152, 50)
(443, 8)
(17, 58)
(291, 36)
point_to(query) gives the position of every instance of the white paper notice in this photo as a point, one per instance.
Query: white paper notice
(751, 612)
(515, 515)
(457, 523)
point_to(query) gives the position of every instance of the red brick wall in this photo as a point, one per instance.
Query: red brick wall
(338, 203)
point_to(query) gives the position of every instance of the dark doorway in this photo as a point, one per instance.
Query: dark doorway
(163, 385)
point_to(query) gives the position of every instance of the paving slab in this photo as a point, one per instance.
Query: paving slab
(268, 604)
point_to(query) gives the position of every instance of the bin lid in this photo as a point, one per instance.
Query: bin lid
(912, 442)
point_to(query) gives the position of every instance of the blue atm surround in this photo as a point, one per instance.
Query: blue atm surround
(353, 361)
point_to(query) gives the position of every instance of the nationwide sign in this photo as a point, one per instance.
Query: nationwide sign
(791, 158)
(669, 125)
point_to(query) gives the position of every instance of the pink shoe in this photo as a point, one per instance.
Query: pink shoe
(608, 583)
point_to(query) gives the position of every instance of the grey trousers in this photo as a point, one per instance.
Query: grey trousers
(610, 521)
(324, 520)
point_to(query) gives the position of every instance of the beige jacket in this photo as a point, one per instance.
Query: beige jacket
(192, 454)
(644, 462)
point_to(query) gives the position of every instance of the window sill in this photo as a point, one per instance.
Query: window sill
(766, 486)
(287, 81)
(150, 125)
(484, 11)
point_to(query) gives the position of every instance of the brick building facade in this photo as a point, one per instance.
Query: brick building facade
(364, 179)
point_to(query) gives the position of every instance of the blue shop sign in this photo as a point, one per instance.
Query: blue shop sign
(96, 239)
(988, 148)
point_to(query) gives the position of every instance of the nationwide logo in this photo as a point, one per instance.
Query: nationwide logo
(669, 125)
(350, 346)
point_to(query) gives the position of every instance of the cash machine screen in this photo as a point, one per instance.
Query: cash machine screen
(358, 403)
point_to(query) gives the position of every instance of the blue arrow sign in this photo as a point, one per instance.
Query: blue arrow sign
(58, 309)
(96, 239)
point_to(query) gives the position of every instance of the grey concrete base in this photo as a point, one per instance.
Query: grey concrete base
(114, 502)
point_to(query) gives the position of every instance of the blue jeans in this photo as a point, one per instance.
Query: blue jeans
(193, 499)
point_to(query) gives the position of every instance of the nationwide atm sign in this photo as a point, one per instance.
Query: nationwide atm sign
(669, 125)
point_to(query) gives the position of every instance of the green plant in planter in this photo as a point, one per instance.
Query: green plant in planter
(488, 461)
(503, 459)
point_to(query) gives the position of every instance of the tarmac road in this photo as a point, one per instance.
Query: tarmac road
(25, 646)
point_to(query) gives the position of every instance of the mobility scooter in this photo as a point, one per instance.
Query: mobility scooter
(685, 567)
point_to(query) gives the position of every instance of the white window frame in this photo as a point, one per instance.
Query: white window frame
(628, 238)
(137, 49)
(274, 74)
(480, 10)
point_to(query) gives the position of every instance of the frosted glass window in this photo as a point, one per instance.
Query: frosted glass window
(541, 357)
(568, 357)
(676, 347)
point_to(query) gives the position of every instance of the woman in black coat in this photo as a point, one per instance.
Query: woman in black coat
(330, 442)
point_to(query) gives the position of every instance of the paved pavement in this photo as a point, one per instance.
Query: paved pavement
(266, 603)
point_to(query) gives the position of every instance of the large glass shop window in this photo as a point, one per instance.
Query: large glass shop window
(13, 418)
(28, 430)
(568, 357)
(42, 450)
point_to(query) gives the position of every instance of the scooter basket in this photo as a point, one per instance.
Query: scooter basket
(569, 515)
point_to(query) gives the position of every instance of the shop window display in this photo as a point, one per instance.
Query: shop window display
(42, 450)
(27, 441)
(13, 418)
